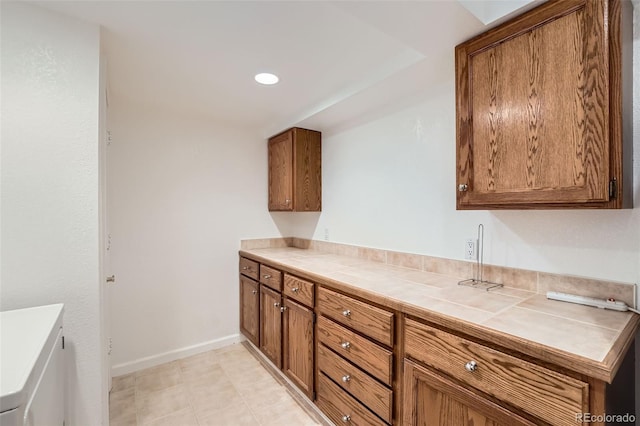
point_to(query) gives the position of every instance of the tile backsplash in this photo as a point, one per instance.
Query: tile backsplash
(534, 281)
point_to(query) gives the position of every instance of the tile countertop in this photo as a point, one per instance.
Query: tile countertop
(583, 339)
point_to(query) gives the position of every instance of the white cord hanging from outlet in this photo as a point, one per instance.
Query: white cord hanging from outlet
(470, 249)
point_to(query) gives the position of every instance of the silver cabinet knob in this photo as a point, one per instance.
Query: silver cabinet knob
(463, 187)
(266, 276)
(471, 366)
(276, 304)
(287, 201)
(244, 268)
(345, 345)
(282, 309)
(346, 313)
(346, 378)
(346, 418)
(295, 289)
(254, 291)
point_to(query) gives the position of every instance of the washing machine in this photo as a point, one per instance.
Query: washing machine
(32, 367)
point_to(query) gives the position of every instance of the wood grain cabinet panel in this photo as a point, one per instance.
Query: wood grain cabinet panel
(377, 397)
(539, 110)
(550, 396)
(249, 268)
(271, 325)
(341, 407)
(369, 320)
(299, 290)
(271, 277)
(298, 338)
(371, 357)
(250, 309)
(431, 400)
(295, 181)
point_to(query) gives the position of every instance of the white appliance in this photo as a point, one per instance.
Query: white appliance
(32, 367)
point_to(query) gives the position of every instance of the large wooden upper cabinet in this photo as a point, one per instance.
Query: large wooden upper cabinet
(295, 180)
(540, 103)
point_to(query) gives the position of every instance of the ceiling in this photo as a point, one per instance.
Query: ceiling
(337, 61)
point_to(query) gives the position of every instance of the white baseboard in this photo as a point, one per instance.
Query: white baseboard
(152, 361)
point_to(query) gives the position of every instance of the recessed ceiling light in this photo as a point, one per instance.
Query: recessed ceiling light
(266, 78)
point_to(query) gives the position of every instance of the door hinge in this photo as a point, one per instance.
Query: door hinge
(62, 342)
(613, 189)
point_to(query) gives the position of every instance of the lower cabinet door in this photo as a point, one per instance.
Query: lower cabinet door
(297, 361)
(271, 325)
(433, 400)
(250, 309)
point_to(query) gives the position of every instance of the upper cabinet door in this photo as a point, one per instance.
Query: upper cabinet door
(295, 180)
(538, 110)
(281, 172)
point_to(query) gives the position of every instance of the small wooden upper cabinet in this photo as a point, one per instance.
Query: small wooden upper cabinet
(295, 181)
(540, 103)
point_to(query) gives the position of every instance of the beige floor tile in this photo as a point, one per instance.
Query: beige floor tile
(209, 385)
(198, 364)
(252, 378)
(159, 380)
(204, 405)
(125, 422)
(179, 418)
(238, 416)
(158, 369)
(154, 405)
(198, 372)
(209, 357)
(266, 399)
(122, 406)
(286, 412)
(123, 382)
(225, 387)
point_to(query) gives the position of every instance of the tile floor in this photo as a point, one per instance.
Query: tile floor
(225, 387)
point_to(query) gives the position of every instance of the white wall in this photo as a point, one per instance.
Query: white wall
(390, 183)
(50, 227)
(182, 192)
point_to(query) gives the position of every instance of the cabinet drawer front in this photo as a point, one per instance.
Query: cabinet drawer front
(358, 383)
(249, 268)
(341, 408)
(372, 358)
(374, 322)
(298, 289)
(271, 277)
(546, 394)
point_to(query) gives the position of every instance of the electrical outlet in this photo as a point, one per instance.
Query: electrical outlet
(470, 252)
(326, 234)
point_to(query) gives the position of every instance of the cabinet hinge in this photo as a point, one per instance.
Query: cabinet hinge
(313, 396)
(315, 318)
(62, 342)
(613, 188)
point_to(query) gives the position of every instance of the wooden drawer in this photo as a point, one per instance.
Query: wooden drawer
(341, 407)
(249, 268)
(298, 289)
(271, 277)
(377, 397)
(551, 396)
(374, 322)
(372, 358)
